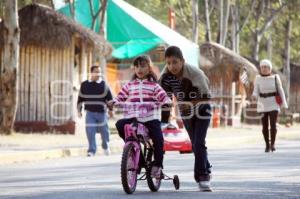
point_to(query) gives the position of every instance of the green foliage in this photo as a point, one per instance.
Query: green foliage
(1, 9)
(22, 3)
(159, 9)
(183, 9)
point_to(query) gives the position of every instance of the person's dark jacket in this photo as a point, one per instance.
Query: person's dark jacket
(94, 96)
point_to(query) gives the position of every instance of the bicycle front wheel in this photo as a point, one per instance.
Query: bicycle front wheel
(128, 171)
(153, 183)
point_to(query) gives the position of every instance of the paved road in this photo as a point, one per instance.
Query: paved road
(238, 173)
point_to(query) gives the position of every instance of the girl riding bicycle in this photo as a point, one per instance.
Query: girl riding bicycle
(143, 97)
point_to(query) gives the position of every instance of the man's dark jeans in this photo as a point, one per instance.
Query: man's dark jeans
(197, 127)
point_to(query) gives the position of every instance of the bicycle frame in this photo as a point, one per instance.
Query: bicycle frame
(135, 134)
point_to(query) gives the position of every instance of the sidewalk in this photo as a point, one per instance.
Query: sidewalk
(33, 147)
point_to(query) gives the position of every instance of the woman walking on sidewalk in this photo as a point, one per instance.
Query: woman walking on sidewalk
(266, 89)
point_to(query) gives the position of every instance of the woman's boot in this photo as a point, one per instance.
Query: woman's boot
(273, 138)
(266, 138)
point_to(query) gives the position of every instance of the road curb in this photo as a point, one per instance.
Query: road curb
(30, 156)
(213, 142)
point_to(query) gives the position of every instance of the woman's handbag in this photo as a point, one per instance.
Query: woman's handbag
(277, 96)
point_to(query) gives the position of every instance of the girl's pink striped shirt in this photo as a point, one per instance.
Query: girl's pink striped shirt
(142, 99)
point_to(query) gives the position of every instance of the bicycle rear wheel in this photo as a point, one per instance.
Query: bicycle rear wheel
(128, 172)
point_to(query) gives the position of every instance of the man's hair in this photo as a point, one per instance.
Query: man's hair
(93, 68)
(174, 51)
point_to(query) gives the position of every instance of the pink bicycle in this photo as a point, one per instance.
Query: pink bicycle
(138, 154)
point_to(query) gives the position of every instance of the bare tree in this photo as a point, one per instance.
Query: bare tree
(95, 14)
(221, 15)
(9, 69)
(270, 47)
(235, 39)
(207, 22)
(286, 68)
(52, 4)
(104, 4)
(97, 58)
(259, 30)
(223, 20)
(195, 21)
(237, 24)
(72, 8)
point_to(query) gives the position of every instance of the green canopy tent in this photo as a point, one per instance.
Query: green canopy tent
(131, 31)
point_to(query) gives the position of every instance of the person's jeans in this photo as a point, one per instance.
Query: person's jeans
(96, 122)
(155, 133)
(197, 129)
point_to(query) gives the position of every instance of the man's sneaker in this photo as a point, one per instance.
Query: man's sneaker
(107, 152)
(205, 186)
(90, 154)
(156, 172)
(204, 182)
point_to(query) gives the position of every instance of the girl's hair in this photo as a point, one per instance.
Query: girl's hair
(144, 58)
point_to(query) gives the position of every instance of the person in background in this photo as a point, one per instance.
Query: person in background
(266, 87)
(94, 94)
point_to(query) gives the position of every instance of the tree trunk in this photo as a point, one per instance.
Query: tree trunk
(235, 35)
(103, 5)
(195, 21)
(52, 4)
(270, 47)
(260, 29)
(94, 20)
(95, 15)
(286, 69)
(221, 28)
(72, 8)
(207, 22)
(225, 22)
(256, 47)
(8, 73)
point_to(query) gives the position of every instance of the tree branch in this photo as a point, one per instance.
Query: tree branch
(91, 8)
(270, 20)
(247, 18)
